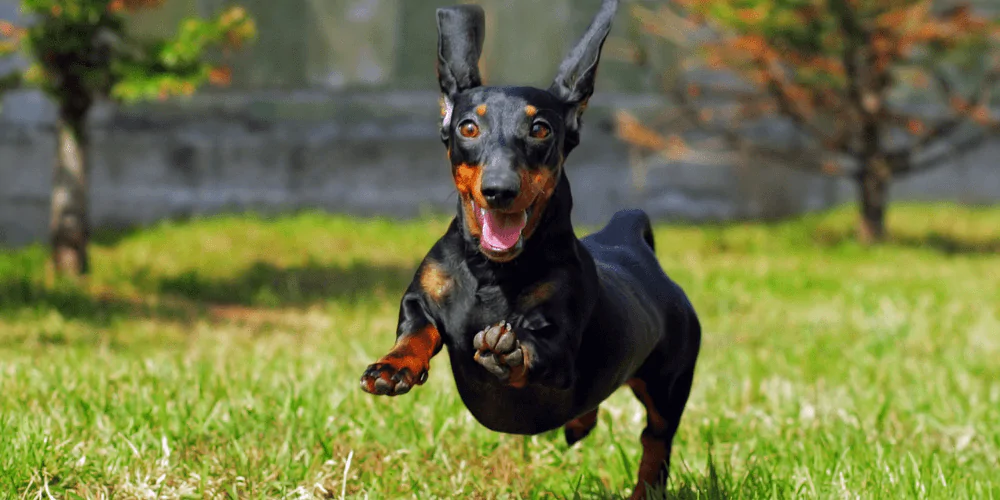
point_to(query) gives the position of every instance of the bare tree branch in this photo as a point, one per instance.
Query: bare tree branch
(777, 98)
(903, 164)
(786, 106)
(799, 158)
(944, 129)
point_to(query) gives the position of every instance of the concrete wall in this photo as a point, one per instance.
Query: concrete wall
(335, 107)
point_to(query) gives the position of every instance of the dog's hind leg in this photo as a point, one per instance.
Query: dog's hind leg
(664, 398)
(580, 427)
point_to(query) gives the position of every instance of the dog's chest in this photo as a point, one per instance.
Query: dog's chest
(476, 310)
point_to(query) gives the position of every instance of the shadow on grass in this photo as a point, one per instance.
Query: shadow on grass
(21, 294)
(192, 295)
(264, 284)
(946, 244)
(112, 234)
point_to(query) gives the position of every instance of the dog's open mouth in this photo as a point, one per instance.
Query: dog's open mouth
(502, 232)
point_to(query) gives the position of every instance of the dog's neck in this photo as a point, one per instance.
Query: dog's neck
(553, 235)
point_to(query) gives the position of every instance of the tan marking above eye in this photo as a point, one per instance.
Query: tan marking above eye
(530, 110)
(481, 109)
(469, 129)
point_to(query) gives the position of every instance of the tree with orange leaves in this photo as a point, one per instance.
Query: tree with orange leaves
(80, 51)
(839, 72)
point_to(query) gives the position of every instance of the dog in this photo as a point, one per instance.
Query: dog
(540, 326)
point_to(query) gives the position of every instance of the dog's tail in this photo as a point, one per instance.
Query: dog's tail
(647, 234)
(635, 222)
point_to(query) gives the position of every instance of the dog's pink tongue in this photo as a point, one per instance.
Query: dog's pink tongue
(500, 233)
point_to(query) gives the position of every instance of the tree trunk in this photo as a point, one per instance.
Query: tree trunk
(874, 187)
(69, 226)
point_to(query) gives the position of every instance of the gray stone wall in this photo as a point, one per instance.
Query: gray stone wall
(335, 108)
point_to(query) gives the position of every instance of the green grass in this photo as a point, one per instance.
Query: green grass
(221, 357)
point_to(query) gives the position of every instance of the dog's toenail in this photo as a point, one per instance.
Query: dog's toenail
(402, 388)
(477, 341)
(382, 386)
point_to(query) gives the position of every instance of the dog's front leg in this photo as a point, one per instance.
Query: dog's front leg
(537, 346)
(407, 363)
(519, 355)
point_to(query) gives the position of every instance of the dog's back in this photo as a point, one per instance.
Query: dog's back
(638, 298)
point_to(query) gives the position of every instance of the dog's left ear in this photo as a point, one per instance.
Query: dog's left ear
(460, 42)
(574, 84)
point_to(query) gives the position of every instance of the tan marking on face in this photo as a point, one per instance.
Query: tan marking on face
(481, 109)
(537, 295)
(536, 188)
(530, 110)
(444, 108)
(468, 179)
(435, 281)
(541, 183)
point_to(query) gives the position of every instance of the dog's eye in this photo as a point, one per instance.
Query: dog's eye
(468, 129)
(540, 130)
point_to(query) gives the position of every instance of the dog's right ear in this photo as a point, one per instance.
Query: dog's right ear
(461, 29)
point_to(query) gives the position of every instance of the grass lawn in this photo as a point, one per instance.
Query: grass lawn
(221, 357)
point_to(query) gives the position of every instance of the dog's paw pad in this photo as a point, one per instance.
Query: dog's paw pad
(505, 344)
(498, 350)
(515, 358)
(383, 379)
(492, 364)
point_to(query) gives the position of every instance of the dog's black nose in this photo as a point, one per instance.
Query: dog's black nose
(499, 195)
(500, 187)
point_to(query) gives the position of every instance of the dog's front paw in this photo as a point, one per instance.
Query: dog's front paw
(501, 353)
(386, 379)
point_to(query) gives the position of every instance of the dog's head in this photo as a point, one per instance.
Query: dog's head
(507, 145)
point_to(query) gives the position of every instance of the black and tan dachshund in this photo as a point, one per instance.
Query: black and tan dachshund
(540, 326)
